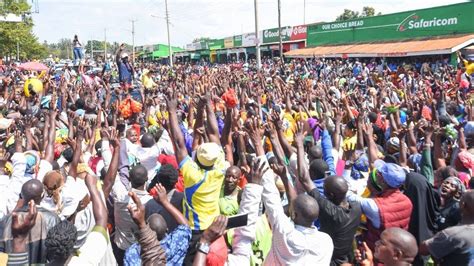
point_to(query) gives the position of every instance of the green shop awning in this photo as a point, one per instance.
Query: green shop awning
(251, 50)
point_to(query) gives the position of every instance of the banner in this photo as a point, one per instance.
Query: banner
(237, 40)
(272, 35)
(248, 39)
(299, 33)
(443, 20)
(229, 42)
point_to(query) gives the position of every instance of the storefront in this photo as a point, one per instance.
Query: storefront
(426, 32)
(424, 23)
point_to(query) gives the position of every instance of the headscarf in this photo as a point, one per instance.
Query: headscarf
(425, 208)
(459, 184)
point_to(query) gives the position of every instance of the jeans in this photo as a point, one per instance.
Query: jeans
(77, 54)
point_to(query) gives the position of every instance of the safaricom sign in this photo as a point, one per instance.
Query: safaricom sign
(435, 22)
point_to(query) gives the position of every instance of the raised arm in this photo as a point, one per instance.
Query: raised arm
(303, 173)
(178, 138)
(162, 198)
(109, 179)
(226, 138)
(151, 252)
(77, 149)
(212, 129)
(98, 205)
(372, 147)
(426, 164)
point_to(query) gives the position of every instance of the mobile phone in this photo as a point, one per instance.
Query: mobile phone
(237, 220)
(359, 241)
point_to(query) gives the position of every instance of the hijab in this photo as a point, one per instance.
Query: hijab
(425, 202)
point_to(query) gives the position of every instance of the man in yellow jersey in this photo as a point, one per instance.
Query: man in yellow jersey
(203, 176)
(468, 64)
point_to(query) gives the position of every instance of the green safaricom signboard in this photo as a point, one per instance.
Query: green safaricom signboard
(443, 20)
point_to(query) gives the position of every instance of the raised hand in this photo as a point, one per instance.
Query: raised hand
(114, 139)
(215, 230)
(138, 211)
(253, 130)
(22, 224)
(279, 169)
(81, 128)
(160, 196)
(300, 133)
(257, 170)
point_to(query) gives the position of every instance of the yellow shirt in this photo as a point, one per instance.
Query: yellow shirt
(201, 191)
(290, 124)
(349, 144)
(469, 67)
(148, 82)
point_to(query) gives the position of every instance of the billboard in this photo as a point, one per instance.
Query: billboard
(444, 20)
(229, 42)
(248, 39)
(237, 40)
(287, 34)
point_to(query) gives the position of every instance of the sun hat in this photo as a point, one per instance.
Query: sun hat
(207, 153)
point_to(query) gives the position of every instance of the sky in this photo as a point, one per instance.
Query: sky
(95, 19)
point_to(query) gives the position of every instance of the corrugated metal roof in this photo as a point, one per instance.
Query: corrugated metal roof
(388, 49)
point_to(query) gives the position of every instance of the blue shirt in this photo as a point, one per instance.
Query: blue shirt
(175, 244)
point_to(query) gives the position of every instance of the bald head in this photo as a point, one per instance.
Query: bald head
(158, 224)
(335, 189)
(147, 140)
(306, 210)
(402, 241)
(314, 153)
(32, 190)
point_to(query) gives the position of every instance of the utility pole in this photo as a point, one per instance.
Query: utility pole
(105, 45)
(304, 12)
(257, 44)
(170, 51)
(280, 45)
(17, 50)
(133, 40)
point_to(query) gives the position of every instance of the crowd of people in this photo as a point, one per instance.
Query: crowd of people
(326, 162)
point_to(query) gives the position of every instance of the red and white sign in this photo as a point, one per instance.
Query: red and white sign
(299, 33)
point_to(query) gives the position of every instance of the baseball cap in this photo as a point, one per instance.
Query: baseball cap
(207, 153)
(393, 174)
(124, 55)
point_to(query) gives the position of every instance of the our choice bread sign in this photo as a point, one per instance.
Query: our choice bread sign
(414, 21)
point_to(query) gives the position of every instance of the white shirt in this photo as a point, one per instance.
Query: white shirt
(292, 244)
(4, 181)
(148, 157)
(18, 178)
(244, 236)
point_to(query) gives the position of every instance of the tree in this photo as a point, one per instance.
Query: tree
(19, 35)
(367, 11)
(347, 14)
